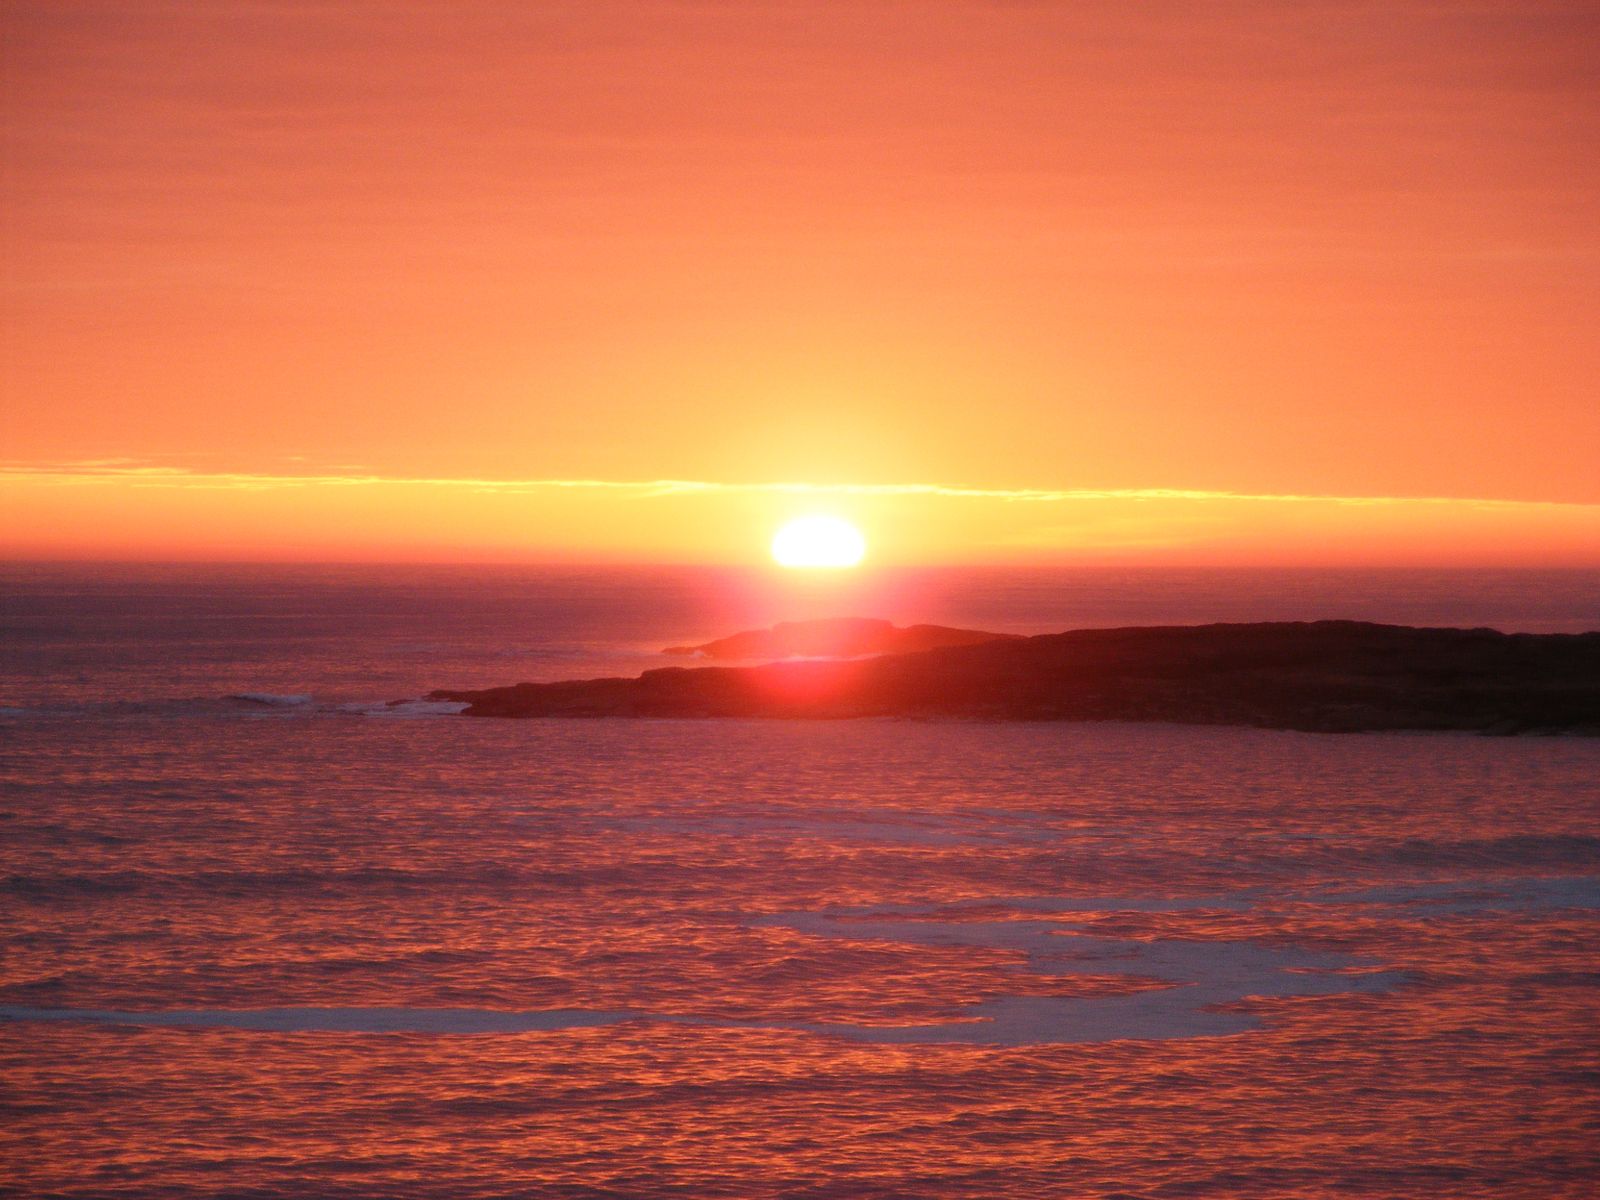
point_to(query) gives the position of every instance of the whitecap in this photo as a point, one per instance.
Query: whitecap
(415, 708)
(273, 699)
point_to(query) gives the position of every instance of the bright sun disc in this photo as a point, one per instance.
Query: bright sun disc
(818, 542)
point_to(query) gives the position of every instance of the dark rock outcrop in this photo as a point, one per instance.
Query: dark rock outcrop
(835, 637)
(1328, 676)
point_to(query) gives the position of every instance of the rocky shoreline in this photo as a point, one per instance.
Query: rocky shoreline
(1326, 676)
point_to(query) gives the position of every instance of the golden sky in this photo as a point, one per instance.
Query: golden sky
(1200, 282)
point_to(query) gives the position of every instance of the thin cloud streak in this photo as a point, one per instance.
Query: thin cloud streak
(155, 476)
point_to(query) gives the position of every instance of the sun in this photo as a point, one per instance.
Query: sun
(818, 541)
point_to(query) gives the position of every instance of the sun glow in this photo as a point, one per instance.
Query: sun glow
(818, 541)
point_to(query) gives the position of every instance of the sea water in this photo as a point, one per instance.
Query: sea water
(265, 934)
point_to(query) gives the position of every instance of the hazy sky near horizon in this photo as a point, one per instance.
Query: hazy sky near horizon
(1320, 249)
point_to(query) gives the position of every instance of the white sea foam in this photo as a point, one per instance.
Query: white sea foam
(274, 699)
(1199, 976)
(413, 708)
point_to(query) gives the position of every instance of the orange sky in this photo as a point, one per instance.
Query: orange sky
(1017, 273)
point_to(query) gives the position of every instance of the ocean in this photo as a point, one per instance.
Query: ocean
(267, 934)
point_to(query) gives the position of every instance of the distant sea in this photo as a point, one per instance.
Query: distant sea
(351, 635)
(262, 938)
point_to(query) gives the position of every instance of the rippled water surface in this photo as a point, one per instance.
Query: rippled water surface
(289, 950)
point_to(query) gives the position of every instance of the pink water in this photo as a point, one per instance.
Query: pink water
(252, 950)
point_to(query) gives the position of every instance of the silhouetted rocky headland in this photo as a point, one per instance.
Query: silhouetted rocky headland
(835, 637)
(1331, 676)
